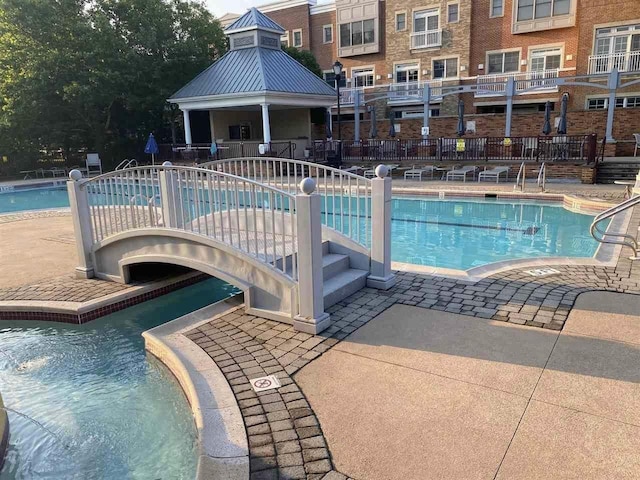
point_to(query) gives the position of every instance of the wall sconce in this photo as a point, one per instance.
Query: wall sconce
(425, 71)
(378, 77)
(389, 75)
(481, 66)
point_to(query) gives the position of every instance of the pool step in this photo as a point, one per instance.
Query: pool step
(343, 284)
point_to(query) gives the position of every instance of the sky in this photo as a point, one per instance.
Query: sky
(220, 7)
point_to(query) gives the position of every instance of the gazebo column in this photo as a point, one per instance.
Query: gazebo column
(266, 128)
(211, 127)
(187, 127)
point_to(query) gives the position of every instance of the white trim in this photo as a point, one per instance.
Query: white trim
(284, 4)
(547, 46)
(244, 99)
(448, 5)
(324, 8)
(395, 20)
(491, 9)
(293, 36)
(324, 39)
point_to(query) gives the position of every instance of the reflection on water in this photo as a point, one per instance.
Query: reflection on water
(120, 413)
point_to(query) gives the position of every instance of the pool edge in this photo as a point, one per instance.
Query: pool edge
(223, 450)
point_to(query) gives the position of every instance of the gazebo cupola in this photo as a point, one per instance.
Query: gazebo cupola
(253, 75)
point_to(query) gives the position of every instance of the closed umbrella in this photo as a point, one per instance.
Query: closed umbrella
(546, 129)
(460, 129)
(152, 148)
(373, 128)
(562, 124)
(327, 126)
(392, 126)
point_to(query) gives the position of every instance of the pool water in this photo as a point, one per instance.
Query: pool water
(462, 234)
(37, 199)
(114, 411)
(452, 233)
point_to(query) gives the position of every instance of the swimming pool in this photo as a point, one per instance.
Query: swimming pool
(453, 233)
(114, 411)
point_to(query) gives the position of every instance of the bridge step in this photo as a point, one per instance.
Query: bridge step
(343, 284)
(334, 263)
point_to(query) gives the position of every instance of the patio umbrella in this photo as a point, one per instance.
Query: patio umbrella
(327, 126)
(392, 126)
(152, 148)
(546, 129)
(373, 128)
(460, 130)
(562, 125)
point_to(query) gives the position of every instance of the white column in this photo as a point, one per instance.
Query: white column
(511, 91)
(81, 217)
(330, 120)
(212, 127)
(266, 128)
(311, 316)
(170, 198)
(381, 275)
(612, 82)
(187, 127)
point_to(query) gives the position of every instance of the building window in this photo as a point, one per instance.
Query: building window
(362, 77)
(401, 22)
(426, 20)
(452, 13)
(330, 78)
(621, 102)
(406, 73)
(503, 62)
(327, 34)
(417, 113)
(534, 9)
(357, 33)
(497, 8)
(284, 40)
(545, 59)
(617, 47)
(597, 103)
(297, 38)
(445, 68)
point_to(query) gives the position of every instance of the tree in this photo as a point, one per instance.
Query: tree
(304, 57)
(96, 74)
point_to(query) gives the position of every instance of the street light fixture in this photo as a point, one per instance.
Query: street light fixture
(337, 70)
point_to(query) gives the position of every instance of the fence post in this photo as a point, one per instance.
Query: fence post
(311, 316)
(381, 275)
(592, 142)
(81, 216)
(169, 196)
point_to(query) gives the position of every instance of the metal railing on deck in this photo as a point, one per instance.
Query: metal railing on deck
(201, 152)
(346, 197)
(623, 239)
(255, 218)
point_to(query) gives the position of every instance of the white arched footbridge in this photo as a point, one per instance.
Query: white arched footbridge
(293, 252)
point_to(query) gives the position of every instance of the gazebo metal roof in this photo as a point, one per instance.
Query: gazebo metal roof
(254, 19)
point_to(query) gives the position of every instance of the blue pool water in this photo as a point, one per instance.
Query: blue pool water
(451, 233)
(115, 411)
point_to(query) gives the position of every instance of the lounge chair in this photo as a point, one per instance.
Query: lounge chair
(93, 164)
(462, 172)
(494, 173)
(636, 137)
(416, 173)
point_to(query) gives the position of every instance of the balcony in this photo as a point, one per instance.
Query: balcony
(496, 85)
(348, 95)
(428, 39)
(624, 62)
(411, 92)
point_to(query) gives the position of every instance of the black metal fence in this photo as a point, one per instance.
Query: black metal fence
(201, 152)
(562, 148)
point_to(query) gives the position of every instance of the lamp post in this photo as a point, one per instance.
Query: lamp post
(337, 70)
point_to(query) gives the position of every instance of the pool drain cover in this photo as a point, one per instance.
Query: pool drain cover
(261, 384)
(541, 272)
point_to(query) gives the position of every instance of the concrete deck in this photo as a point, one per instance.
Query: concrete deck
(418, 393)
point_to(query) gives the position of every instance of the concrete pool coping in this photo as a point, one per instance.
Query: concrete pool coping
(223, 449)
(82, 312)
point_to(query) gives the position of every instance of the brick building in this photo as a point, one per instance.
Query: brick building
(390, 49)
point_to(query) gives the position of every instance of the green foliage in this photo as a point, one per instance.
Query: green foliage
(96, 74)
(304, 57)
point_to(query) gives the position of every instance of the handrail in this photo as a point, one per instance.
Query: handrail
(346, 195)
(127, 163)
(630, 241)
(542, 176)
(521, 174)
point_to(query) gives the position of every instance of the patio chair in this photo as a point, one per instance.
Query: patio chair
(416, 173)
(94, 164)
(494, 173)
(462, 172)
(636, 136)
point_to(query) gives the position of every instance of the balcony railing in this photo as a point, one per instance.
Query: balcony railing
(413, 91)
(496, 84)
(624, 62)
(348, 95)
(430, 38)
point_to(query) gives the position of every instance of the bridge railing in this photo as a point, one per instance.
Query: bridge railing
(254, 218)
(346, 197)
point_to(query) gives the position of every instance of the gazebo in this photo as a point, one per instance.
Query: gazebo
(255, 92)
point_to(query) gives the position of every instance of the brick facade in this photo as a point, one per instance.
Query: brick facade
(294, 18)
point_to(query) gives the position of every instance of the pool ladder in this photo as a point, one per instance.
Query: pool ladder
(623, 239)
(520, 179)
